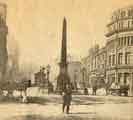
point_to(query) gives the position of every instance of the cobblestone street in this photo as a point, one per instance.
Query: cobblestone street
(83, 108)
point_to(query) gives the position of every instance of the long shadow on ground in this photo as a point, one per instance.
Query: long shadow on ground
(55, 100)
(60, 117)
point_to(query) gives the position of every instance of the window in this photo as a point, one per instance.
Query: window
(102, 65)
(121, 24)
(120, 58)
(128, 24)
(124, 40)
(121, 41)
(131, 40)
(130, 13)
(127, 58)
(128, 40)
(132, 23)
(123, 14)
(119, 77)
(125, 80)
(113, 59)
(126, 76)
(109, 60)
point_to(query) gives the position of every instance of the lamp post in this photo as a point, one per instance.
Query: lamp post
(83, 73)
(48, 72)
(75, 80)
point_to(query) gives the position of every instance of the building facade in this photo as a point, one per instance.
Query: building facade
(95, 65)
(85, 69)
(114, 62)
(119, 47)
(74, 68)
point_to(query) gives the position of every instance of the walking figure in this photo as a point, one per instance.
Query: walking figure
(67, 97)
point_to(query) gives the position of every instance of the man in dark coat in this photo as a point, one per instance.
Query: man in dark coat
(67, 97)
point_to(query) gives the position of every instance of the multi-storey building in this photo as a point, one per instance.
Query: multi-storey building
(119, 47)
(74, 68)
(95, 65)
(98, 65)
(85, 68)
(114, 62)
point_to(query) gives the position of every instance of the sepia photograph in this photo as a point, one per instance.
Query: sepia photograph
(66, 59)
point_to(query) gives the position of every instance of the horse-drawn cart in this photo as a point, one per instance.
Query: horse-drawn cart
(119, 91)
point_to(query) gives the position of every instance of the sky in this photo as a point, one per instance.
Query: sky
(36, 26)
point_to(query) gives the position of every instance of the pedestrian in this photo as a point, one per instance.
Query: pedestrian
(85, 91)
(67, 97)
(24, 99)
(94, 89)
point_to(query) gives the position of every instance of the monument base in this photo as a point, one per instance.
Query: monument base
(62, 81)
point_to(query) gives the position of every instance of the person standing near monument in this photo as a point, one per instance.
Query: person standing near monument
(63, 79)
(67, 98)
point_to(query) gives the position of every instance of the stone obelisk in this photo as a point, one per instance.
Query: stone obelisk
(63, 78)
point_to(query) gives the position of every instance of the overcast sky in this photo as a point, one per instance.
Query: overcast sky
(37, 26)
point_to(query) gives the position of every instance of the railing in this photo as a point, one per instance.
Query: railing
(120, 66)
(119, 19)
(118, 31)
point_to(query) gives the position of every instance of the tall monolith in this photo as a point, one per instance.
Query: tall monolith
(63, 78)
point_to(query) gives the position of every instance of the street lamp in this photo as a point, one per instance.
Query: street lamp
(83, 73)
(75, 79)
(48, 67)
(85, 88)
